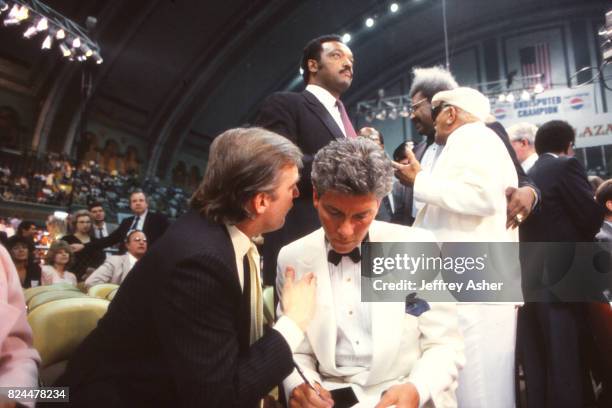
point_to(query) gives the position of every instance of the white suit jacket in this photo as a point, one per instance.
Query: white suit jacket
(426, 350)
(113, 270)
(465, 192)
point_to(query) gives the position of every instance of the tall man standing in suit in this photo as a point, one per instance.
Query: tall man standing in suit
(185, 328)
(549, 328)
(310, 119)
(371, 347)
(152, 224)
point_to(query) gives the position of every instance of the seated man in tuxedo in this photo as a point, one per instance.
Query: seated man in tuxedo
(186, 326)
(371, 347)
(116, 268)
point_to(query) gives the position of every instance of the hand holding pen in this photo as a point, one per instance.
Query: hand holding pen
(309, 394)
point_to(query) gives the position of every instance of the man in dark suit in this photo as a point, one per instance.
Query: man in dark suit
(425, 84)
(185, 328)
(310, 119)
(152, 224)
(551, 334)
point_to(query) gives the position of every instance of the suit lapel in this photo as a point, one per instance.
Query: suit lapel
(322, 330)
(387, 323)
(319, 110)
(125, 267)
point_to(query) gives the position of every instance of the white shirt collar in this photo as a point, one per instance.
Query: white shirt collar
(240, 241)
(323, 95)
(556, 156)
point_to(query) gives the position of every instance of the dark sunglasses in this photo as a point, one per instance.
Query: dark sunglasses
(435, 111)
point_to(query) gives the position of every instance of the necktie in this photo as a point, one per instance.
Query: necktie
(254, 288)
(100, 232)
(135, 223)
(335, 258)
(346, 122)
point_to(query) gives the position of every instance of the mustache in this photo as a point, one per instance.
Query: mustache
(347, 70)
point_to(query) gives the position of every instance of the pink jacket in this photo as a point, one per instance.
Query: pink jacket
(18, 358)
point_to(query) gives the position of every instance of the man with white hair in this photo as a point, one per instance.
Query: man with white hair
(522, 138)
(465, 201)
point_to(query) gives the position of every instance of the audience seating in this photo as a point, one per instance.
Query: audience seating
(59, 327)
(51, 296)
(29, 293)
(102, 290)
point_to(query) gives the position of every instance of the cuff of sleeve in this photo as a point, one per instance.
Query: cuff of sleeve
(290, 331)
(423, 391)
(535, 195)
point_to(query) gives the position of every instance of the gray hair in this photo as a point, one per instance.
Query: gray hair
(430, 81)
(523, 130)
(79, 214)
(242, 162)
(352, 166)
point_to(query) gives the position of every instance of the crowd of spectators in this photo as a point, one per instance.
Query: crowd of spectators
(56, 180)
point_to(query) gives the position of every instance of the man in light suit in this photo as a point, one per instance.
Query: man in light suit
(116, 267)
(371, 347)
(465, 202)
(310, 119)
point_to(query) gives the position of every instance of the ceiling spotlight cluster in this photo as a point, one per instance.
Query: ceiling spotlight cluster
(52, 27)
(391, 108)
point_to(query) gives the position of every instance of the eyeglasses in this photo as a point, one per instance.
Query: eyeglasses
(435, 111)
(415, 105)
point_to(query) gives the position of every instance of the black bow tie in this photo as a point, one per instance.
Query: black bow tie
(334, 257)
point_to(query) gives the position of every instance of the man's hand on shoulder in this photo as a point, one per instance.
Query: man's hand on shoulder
(400, 396)
(299, 297)
(303, 396)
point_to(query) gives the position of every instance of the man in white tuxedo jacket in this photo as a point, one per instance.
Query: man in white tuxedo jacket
(371, 347)
(117, 267)
(465, 201)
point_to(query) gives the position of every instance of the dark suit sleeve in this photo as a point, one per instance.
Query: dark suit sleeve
(113, 238)
(197, 327)
(277, 113)
(523, 178)
(578, 199)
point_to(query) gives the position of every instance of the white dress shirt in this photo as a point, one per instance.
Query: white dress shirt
(329, 101)
(100, 232)
(529, 162)
(427, 163)
(353, 317)
(242, 244)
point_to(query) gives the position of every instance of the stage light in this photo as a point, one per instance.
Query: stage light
(405, 112)
(76, 43)
(65, 50)
(60, 35)
(381, 115)
(394, 7)
(47, 43)
(42, 25)
(369, 22)
(30, 32)
(393, 114)
(346, 38)
(525, 96)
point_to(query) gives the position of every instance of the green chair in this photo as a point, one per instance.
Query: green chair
(46, 297)
(102, 290)
(59, 327)
(29, 293)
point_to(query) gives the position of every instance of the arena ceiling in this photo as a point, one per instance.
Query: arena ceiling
(177, 72)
